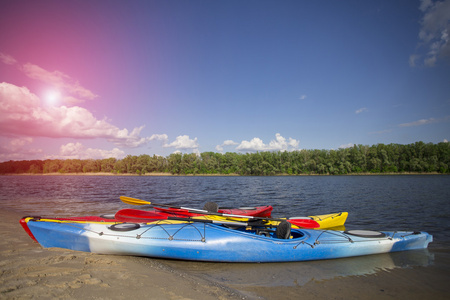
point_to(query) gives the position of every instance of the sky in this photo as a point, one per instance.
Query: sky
(98, 79)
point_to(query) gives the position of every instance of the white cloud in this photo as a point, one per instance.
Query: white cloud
(16, 149)
(73, 91)
(302, 97)
(159, 137)
(219, 148)
(22, 115)
(256, 144)
(361, 110)
(425, 4)
(229, 143)
(349, 145)
(20, 142)
(412, 59)
(7, 59)
(434, 32)
(183, 142)
(279, 144)
(79, 151)
(419, 122)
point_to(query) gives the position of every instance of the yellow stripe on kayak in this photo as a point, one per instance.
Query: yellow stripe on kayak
(68, 221)
(104, 223)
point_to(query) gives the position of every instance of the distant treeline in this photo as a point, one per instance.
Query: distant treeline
(393, 158)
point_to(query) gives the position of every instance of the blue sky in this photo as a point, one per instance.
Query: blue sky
(94, 79)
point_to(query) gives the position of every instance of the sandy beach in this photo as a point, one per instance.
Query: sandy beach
(30, 272)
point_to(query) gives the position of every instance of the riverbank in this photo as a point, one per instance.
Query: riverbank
(212, 175)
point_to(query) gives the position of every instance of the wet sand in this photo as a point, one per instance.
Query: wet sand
(408, 275)
(27, 271)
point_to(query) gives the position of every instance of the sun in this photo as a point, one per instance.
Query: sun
(52, 97)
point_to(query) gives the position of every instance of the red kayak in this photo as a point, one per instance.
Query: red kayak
(142, 216)
(160, 213)
(258, 211)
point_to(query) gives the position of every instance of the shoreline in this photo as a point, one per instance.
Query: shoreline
(161, 174)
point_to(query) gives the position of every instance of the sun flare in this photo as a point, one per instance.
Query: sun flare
(52, 97)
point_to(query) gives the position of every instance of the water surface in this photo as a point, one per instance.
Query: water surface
(413, 202)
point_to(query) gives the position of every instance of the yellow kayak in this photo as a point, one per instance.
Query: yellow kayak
(331, 220)
(334, 221)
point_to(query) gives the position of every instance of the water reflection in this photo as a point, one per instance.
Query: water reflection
(298, 274)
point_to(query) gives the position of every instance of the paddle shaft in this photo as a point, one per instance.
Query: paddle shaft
(120, 216)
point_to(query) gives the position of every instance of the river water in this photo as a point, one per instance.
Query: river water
(400, 202)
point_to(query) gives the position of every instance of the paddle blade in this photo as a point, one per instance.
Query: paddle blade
(304, 223)
(133, 201)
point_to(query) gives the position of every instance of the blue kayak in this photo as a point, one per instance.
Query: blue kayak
(202, 241)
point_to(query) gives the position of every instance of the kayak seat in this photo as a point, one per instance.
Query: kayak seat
(264, 232)
(211, 207)
(283, 230)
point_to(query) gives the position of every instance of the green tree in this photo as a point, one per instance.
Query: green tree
(174, 163)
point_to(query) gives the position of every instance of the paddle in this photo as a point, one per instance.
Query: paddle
(136, 215)
(126, 215)
(305, 223)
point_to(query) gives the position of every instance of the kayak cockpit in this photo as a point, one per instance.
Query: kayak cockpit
(273, 233)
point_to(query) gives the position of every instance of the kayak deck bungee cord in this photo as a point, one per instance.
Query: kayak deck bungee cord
(320, 221)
